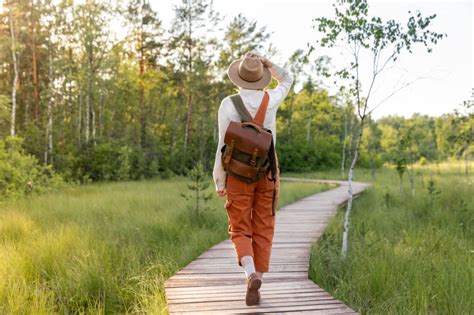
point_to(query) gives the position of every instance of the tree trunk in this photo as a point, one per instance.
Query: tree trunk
(187, 132)
(70, 93)
(466, 160)
(79, 120)
(343, 163)
(36, 94)
(87, 117)
(15, 78)
(308, 134)
(188, 128)
(141, 98)
(26, 116)
(411, 175)
(89, 94)
(101, 115)
(290, 118)
(351, 142)
(93, 125)
(401, 185)
(371, 160)
(48, 153)
(349, 200)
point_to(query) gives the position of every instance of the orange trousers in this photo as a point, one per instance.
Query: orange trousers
(251, 223)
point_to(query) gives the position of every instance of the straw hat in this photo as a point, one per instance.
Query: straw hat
(249, 73)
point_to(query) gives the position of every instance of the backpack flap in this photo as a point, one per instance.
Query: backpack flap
(247, 139)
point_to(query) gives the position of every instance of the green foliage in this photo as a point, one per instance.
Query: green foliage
(353, 25)
(401, 167)
(408, 258)
(198, 197)
(105, 247)
(4, 112)
(387, 199)
(432, 191)
(300, 157)
(146, 93)
(123, 172)
(21, 174)
(241, 36)
(423, 161)
(99, 162)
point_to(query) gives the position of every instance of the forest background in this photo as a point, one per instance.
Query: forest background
(79, 103)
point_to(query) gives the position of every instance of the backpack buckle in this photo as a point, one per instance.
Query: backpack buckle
(229, 153)
(254, 157)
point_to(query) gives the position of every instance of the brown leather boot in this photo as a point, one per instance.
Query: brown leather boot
(254, 282)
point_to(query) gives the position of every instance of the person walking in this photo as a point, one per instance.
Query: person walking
(250, 206)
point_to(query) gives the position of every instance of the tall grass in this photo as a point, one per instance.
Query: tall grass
(105, 248)
(407, 255)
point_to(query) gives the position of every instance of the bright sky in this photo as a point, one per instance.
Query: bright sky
(447, 72)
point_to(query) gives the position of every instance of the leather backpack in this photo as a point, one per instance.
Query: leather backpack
(249, 151)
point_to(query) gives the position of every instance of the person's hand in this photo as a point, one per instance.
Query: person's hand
(253, 54)
(267, 63)
(222, 193)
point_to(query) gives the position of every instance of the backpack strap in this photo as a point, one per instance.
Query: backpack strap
(262, 110)
(241, 109)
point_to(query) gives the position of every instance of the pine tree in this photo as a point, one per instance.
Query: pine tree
(198, 197)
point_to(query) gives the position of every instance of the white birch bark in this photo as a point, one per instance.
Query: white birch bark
(48, 152)
(345, 233)
(79, 120)
(93, 125)
(411, 175)
(15, 78)
(343, 163)
(88, 109)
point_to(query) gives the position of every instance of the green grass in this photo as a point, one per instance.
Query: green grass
(406, 255)
(105, 248)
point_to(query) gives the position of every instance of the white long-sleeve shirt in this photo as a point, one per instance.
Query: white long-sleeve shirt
(252, 100)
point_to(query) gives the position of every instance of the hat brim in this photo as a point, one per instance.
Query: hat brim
(233, 74)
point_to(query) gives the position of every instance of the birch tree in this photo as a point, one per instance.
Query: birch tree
(465, 131)
(92, 20)
(16, 62)
(50, 21)
(347, 108)
(48, 152)
(384, 41)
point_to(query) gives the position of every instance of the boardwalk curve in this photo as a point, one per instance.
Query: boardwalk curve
(214, 284)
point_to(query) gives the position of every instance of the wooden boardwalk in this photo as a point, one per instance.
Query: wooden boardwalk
(215, 284)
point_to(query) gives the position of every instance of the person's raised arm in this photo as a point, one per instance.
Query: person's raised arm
(284, 80)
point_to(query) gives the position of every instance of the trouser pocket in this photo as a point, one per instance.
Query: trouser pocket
(228, 203)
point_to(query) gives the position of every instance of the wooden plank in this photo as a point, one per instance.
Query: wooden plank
(241, 307)
(299, 284)
(178, 296)
(282, 310)
(215, 284)
(237, 296)
(262, 308)
(236, 269)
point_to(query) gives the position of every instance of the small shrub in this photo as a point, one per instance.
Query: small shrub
(123, 172)
(432, 191)
(21, 173)
(198, 198)
(423, 161)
